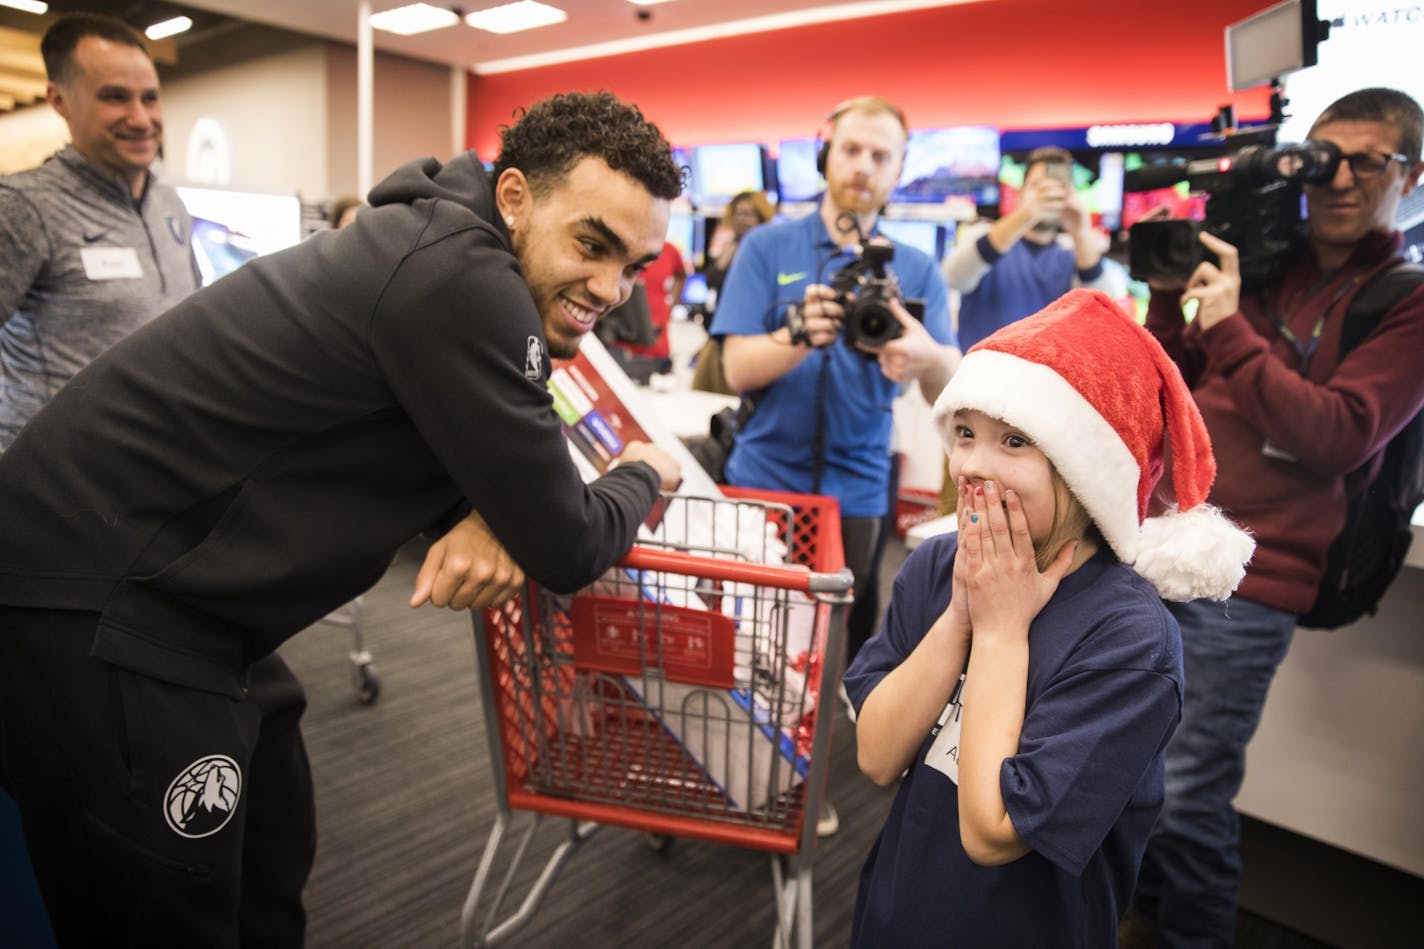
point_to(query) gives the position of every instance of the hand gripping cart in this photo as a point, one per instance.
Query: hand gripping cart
(677, 696)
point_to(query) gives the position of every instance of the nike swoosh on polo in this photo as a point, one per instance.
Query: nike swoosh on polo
(782, 279)
(91, 238)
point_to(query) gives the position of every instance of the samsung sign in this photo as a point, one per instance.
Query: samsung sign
(1157, 134)
(1125, 136)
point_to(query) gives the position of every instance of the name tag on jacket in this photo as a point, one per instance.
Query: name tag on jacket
(110, 263)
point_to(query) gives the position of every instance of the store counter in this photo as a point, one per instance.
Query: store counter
(1337, 756)
(687, 412)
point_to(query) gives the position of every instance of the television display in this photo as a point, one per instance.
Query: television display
(1179, 201)
(682, 234)
(232, 227)
(958, 161)
(1109, 189)
(721, 172)
(694, 289)
(682, 158)
(922, 235)
(796, 176)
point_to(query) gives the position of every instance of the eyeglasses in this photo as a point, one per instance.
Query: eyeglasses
(1367, 165)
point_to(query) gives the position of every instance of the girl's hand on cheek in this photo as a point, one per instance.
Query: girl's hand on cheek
(1006, 591)
(958, 610)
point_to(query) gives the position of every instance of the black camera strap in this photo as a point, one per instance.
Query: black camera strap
(818, 440)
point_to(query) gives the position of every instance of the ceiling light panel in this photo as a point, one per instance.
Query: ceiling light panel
(514, 17)
(170, 27)
(29, 6)
(414, 18)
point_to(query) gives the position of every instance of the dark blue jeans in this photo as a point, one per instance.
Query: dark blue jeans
(1192, 870)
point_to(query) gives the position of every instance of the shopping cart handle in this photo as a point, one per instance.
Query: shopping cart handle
(838, 582)
(788, 577)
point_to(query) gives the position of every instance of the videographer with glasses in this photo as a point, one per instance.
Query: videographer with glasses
(822, 421)
(1289, 421)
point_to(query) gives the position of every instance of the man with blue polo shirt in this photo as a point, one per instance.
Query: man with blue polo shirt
(823, 419)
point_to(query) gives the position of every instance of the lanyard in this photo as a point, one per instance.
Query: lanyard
(1306, 350)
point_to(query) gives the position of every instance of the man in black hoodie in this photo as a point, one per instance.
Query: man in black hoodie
(249, 461)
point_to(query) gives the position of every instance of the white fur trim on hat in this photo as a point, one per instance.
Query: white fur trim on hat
(1087, 451)
(1193, 554)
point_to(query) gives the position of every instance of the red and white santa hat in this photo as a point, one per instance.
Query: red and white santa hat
(1099, 396)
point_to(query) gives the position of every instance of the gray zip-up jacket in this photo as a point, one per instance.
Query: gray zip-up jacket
(82, 265)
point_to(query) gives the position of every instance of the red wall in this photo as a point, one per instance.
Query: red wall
(1010, 63)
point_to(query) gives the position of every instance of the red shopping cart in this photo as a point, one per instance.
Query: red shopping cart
(677, 696)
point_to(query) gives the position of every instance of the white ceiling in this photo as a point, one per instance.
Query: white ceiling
(593, 28)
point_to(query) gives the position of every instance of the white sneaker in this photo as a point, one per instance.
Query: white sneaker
(845, 699)
(829, 822)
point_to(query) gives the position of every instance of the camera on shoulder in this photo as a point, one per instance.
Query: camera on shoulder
(1253, 203)
(864, 288)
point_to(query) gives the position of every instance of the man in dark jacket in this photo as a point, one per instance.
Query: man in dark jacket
(251, 460)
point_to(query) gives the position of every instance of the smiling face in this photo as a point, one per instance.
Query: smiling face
(110, 101)
(581, 243)
(1347, 208)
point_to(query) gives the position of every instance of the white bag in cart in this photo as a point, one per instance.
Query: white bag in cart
(744, 737)
(751, 751)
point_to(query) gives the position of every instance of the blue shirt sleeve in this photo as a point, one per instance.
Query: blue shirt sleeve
(1092, 733)
(920, 594)
(748, 303)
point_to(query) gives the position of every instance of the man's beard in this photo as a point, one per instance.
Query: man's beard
(561, 348)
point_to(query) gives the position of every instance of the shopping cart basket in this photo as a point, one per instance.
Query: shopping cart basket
(678, 696)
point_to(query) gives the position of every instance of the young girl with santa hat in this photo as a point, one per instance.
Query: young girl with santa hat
(1028, 676)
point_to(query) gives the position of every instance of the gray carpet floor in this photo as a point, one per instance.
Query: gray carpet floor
(405, 803)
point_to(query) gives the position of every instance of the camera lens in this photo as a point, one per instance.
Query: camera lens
(873, 324)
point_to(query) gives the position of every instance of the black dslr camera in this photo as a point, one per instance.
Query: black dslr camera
(865, 288)
(1253, 203)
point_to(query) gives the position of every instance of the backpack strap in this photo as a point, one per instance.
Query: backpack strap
(1376, 298)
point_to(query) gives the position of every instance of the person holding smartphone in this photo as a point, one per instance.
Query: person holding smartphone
(1006, 269)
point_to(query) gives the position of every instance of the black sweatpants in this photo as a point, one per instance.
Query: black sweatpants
(155, 814)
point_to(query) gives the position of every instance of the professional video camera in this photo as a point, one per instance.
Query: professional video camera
(1253, 203)
(865, 288)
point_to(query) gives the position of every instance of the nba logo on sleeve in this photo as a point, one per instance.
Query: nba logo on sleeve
(534, 363)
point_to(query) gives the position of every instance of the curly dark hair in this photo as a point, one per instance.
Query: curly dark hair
(555, 133)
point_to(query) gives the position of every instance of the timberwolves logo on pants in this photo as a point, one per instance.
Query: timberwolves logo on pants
(203, 798)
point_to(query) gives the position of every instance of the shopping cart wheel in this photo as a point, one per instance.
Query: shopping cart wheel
(661, 844)
(367, 682)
